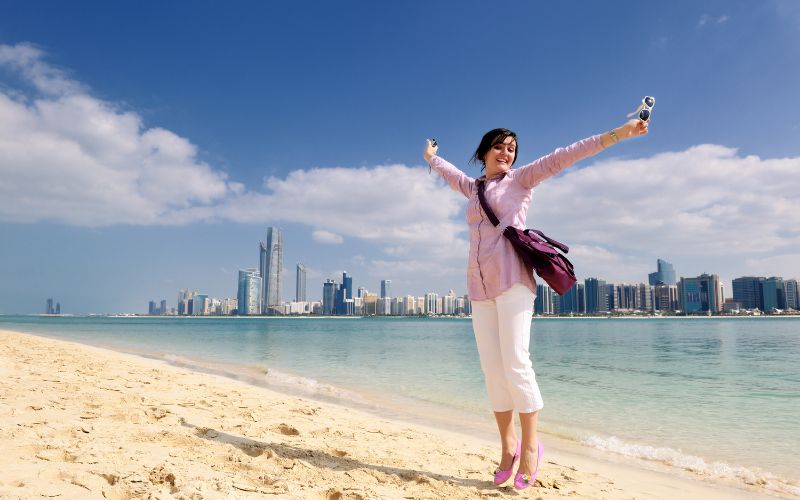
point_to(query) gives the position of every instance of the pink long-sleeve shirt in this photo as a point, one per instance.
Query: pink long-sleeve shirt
(494, 265)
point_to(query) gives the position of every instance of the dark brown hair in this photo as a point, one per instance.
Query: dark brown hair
(490, 138)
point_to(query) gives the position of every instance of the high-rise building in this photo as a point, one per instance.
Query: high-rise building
(449, 303)
(300, 287)
(748, 291)
(248, 299)
(792, 296)
(228, 306)
(163, 308)
(665, 274)
(200, 305)
(58, 307)
(50, 309)
(386, 288)
(596, 296)
(185, 302)
(544, 300)
(271, 270)
(369, 306)
(574, 300)
(774, 293)
(702, 294)
(431, 303)
(410, 305)
(347, 284)
(666, 297)
(151, 308)
(344, 294)
(329, 289)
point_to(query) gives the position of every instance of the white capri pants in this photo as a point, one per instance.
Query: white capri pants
(503, 333)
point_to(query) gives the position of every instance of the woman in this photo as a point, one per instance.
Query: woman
(501, 288)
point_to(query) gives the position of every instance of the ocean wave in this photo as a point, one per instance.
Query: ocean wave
(692, 463)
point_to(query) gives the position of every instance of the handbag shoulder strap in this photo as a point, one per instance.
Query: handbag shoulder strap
(492, 217)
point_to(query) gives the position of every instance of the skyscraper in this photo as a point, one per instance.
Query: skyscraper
(329, 289)
(271, 270)
(574, 301)
(792, 299)
(344, 296)
(596, 296)
(701, 294)
(774, 294)
(386, 288)
(543, 304)
(249, 296)
(748, 291)
(300, 287)
(665, 274)
(50, 309)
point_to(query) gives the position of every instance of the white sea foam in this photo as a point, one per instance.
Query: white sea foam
(310, 386)
(692, 463)
(258, 375)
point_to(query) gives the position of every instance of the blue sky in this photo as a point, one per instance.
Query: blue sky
(146, 146)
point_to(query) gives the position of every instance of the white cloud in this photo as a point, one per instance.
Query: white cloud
(705, 19)
(69, 157)
(326, 237)
(704, 202)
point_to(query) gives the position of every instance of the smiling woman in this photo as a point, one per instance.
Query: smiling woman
(501, 286)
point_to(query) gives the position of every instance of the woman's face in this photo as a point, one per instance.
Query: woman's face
(500, 157)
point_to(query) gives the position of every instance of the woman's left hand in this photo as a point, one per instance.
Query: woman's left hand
(633, 128)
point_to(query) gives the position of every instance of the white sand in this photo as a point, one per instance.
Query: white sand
(84, 422)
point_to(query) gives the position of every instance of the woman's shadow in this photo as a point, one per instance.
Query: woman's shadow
(322, 459)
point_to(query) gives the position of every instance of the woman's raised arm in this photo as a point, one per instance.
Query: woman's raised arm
(533, 173)
(455, 178)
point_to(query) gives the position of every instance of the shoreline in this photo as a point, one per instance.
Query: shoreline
(311, 316)
(48, 429)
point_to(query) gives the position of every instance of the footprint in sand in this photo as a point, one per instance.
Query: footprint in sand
(288, 430)
(334, 494)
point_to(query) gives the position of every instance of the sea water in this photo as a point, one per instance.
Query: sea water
(718, 396)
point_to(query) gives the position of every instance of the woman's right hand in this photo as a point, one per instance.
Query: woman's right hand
(430, 150)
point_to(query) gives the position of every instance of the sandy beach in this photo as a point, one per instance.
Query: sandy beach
(84, 422)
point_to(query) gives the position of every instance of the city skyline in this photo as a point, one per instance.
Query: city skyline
(663, 292)
(159, 159)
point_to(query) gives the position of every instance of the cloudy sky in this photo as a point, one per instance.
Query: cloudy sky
(146, 146)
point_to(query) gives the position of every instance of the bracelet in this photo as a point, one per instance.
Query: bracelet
(613, 134)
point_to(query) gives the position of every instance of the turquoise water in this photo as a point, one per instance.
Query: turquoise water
(718, 396)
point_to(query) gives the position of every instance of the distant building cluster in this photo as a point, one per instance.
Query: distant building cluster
(49, 309)
(260, 292)
(338, 299)
(665, 294)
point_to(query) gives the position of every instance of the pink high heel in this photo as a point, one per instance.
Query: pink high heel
(501, 476)
(522, 481)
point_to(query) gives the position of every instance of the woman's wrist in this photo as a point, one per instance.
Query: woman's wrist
(610, 138)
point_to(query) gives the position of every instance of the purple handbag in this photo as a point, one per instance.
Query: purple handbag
(537, 251)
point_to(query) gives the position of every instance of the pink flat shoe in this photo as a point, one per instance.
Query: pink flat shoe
(501, 476)
(522, 481)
